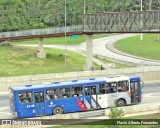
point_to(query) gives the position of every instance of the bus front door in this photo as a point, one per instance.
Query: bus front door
(90, 97)
(134, 92)
(39, 103)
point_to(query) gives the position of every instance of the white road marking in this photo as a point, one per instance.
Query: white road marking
(152, 95)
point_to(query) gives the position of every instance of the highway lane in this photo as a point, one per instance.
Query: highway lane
(151, 93)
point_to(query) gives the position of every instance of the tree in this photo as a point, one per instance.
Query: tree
(30, 14)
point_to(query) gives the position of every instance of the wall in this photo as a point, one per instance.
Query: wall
(148, 74)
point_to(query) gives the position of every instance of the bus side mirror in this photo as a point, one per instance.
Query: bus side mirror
(142, 84)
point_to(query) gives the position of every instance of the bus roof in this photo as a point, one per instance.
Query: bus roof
(116, 78)
(134, 77)
(122, 78)
(59, 84)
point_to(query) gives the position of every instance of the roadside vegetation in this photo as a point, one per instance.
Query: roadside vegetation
(22, 61)
(148, 48)
(102, 123)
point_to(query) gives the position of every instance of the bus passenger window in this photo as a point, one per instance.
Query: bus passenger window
(102, 89)
(52, 94)
(108, 88)
(65, 92)
(25, 97)
(123, 86)
(76, 91)
(41, 97)
(87, 91)
(113, 87)
(48, 96)
(93, 90)
(36, 97)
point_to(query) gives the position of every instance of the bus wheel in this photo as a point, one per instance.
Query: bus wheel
(121, 103)
(57, 110)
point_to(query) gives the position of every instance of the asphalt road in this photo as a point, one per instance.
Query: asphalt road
(99, 48)
(151, 93)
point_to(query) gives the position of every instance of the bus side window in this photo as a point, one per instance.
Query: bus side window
(76, 91)
(87, 91)
(25, 97)
(65, 92)
(93, 90)
(102, 89)
(123, 86)
(108, 88)
(52, 94)
(41, 96)
(36, 97)
(113, 88)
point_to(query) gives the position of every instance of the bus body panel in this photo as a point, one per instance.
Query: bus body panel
(102, 100)
(124, 96)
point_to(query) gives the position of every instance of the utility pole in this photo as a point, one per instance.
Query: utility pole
(141, 38)
(65, 38)
(84, 12)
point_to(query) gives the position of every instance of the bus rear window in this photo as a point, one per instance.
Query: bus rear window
(25, 97)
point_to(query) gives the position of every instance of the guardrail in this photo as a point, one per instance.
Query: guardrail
(45, 31)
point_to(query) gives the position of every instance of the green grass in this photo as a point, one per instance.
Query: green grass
(21, 61)
(60, 40)
(117, 65)
(148, 48)
(103, 123)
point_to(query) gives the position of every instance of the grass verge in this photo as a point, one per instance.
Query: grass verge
(17, 61)
(148, 48)
(103, 123)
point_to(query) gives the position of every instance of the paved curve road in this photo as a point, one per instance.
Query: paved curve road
(99, 48)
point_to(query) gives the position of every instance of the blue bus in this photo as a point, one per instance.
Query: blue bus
(74, 96)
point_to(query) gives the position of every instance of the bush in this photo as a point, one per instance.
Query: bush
(115, 113)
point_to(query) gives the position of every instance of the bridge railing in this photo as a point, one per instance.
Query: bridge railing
(147, 21)
(45, 31)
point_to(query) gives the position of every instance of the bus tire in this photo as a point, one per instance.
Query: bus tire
(120, 103)
(57, 110)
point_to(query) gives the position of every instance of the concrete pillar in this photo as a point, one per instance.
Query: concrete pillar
(40, 53)
(89, 53)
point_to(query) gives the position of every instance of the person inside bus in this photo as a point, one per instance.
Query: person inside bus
(114, 88)
(29, 97)
(123, 89)
(55, 96)
(108, 88)
(25, 100)
(47, 96)
(93, 91)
